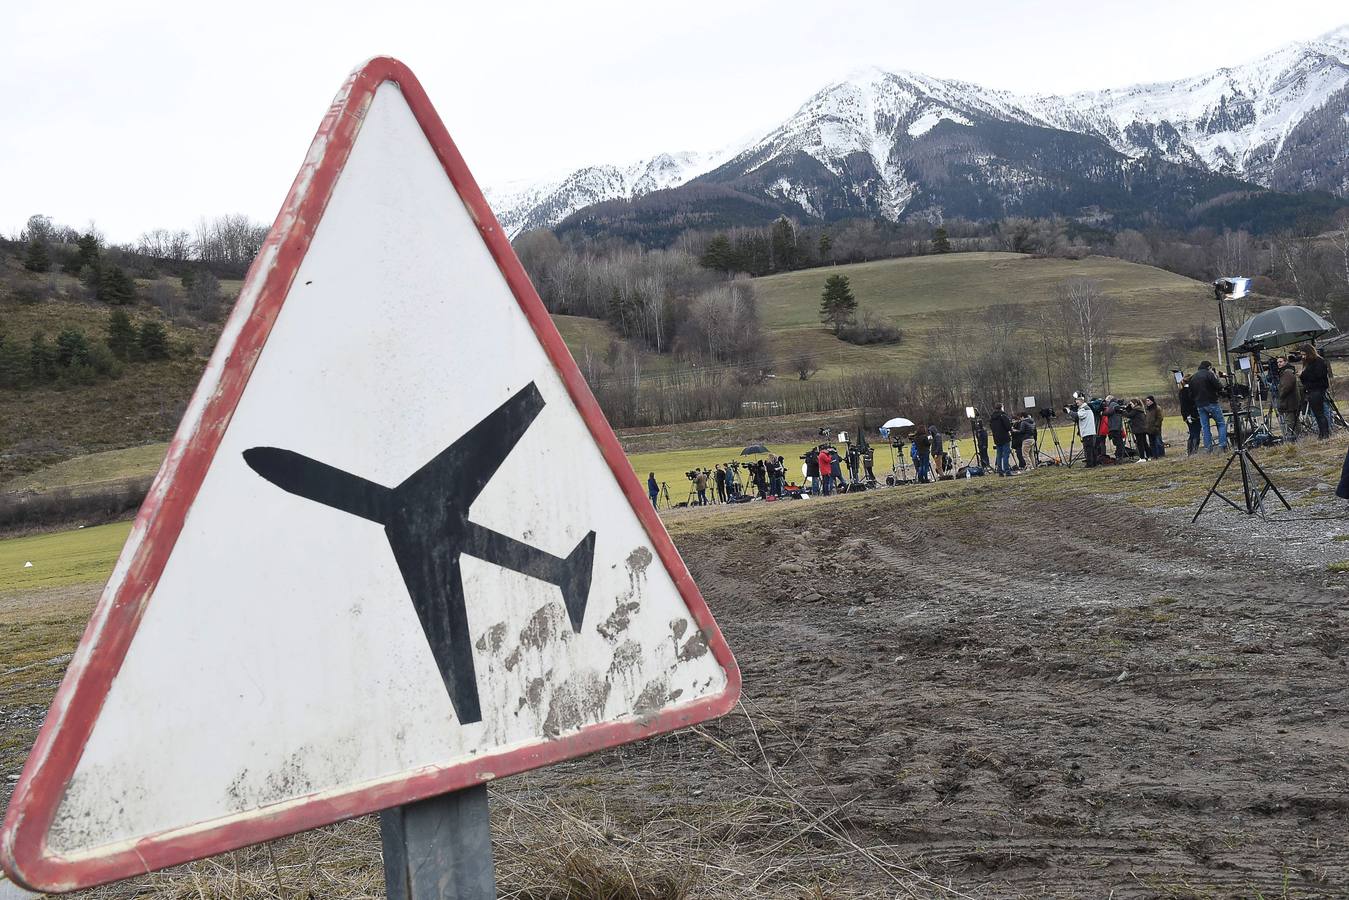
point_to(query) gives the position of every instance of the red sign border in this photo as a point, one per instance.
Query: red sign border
(75, 709)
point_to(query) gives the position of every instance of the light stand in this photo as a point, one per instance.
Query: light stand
(1253, 496)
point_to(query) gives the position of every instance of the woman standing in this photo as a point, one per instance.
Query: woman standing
(1138, 427)
(1153, 424)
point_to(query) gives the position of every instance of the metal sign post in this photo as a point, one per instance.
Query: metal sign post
(439, 848)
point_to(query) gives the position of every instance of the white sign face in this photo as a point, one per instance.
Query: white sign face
(1029, 401)
(411, 563)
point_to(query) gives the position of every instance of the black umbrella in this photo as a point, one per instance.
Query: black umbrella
(754, 450)
(1279, 327)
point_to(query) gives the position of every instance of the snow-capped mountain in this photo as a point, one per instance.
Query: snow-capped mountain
(523, 205)
(903, 144)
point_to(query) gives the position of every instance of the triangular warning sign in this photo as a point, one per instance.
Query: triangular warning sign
(395, 549)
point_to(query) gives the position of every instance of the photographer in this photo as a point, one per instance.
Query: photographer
(981, 443)
(1289, 392)
(1024, 442)
(1081, 413)
(1152, 423)
(836, 463)
(1190, 413)
(653, 489)
(777, 470)
(812, 458)
(868, 460)
(826, 470)
(1114, 425)
(1138, 427)
(1001, 425)
(1316, 382)
(938, 451)
(1206, 389)
(700, 484)
(922, 449)
(719, 483)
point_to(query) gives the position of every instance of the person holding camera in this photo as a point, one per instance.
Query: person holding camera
(1000, 424)
(1114, 425)
(1085, 418)
(812, 458)
(869, 460)
(1138, 427)
(700, 485)
(1206, 389)
(1024, 441)
(1315, 379)
(981, 443)
(826, 470)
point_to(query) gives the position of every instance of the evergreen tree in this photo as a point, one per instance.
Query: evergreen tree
(41, 359)
(837, 304)
(72, 349)
(941, 243)
(87, 251)
(717, 254)
(784, 245)
(115, 286)
(38, 258)
(121, 334)
(826, 245)
(153, 341)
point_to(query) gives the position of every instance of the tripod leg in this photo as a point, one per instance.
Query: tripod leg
(1269, 484)
(1213, 491)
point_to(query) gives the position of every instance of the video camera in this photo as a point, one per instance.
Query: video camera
(1047, 413)
(693, 475)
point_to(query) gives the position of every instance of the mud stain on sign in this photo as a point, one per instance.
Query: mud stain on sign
(577, 701)
(492, 639)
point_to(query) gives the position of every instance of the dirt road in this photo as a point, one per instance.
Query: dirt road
(1053, 686)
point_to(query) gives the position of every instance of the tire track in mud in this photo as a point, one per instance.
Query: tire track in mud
(1067, 698)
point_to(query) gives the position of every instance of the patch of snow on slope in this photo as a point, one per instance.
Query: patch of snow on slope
(928, 120)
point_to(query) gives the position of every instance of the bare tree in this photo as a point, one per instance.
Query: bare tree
(1088, 314)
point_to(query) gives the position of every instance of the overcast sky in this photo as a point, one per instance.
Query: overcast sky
(140, 114)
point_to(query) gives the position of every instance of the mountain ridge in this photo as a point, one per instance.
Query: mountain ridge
(879, 142)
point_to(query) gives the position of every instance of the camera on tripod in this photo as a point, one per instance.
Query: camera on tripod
(1046, 413)
(693, 475)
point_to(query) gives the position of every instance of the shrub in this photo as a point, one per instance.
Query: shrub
(72, 348)
(869, 329)
(153, 341)
(121, 334)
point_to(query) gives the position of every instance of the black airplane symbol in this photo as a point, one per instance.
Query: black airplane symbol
(426, 521)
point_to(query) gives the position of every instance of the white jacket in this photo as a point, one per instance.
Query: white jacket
(1086, 421)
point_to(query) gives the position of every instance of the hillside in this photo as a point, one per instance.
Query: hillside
(929, 294)
(48, 422)
(926, 296)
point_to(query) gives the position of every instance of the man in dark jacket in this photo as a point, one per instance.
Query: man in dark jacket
(938, 451)
(1114, 425)
(812, 458)
(719, 482)
(1000, 424)
(981, 443)
(1316, 382)
(1190, 414)
(1288, 392)
(1206, 388)
(922, 445)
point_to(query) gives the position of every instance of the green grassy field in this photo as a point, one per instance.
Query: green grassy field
(64, 558)
(93, 470)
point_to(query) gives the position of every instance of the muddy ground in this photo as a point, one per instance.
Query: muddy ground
(1049, 686)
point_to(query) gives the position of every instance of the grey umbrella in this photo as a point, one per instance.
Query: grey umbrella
(754, 450)
(1280, 327)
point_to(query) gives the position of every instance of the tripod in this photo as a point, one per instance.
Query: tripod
(1252, 493)
(1055, 458)
(901, 467)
